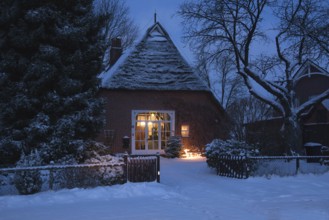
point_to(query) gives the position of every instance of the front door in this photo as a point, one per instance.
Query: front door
(151, 131)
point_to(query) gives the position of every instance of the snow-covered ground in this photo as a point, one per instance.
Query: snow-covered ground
(188, 190)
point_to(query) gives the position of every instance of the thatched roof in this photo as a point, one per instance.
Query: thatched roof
(153, 64)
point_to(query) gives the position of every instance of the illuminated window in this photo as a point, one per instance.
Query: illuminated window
(185, 130)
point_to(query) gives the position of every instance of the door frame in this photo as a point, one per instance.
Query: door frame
(134, 113)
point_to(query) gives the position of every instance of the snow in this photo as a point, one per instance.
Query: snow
(108, 74)
(263, 93)
(312, 144)
(188, 190)
(154, 63)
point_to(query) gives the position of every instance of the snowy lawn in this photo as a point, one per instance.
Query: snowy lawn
(188, 190)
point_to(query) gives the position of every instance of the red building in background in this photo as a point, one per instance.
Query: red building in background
(310, 80)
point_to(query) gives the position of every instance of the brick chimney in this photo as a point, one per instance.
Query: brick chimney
(115, 51)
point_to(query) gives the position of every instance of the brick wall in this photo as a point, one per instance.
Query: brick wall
(205, 117)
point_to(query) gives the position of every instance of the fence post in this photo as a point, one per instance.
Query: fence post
(158, 167)
(51, 176)
(297, 165)
(125, 170)
(246, 167)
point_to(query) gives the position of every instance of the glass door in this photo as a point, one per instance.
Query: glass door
(151, 131)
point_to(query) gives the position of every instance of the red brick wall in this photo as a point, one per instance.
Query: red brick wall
(267, 132)
(206, 119)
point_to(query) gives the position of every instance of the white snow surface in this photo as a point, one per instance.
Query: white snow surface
(188, 190)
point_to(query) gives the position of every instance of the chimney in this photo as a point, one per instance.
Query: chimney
(115, 51)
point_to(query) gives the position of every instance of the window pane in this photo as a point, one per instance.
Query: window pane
(140, 145)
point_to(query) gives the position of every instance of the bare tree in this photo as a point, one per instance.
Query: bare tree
(246, 110)
(231, 86)
(303, 30)
(204, 69)
(119, 24)
(219, 74)
(234, 26)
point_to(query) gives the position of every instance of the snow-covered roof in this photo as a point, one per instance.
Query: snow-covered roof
(153, 64)
(309, 68)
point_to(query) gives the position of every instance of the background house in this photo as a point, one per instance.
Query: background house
(152, 93)
(310, 80)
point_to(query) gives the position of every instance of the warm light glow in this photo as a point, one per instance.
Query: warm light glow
(185, 131)
(191, 155)
(187, 153)
(149, 125)
(143, 123)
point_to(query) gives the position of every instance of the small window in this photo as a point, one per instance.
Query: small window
(185, 130)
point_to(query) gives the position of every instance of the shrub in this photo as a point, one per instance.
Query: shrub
(28, 182)
(108, 175)
(84, 177)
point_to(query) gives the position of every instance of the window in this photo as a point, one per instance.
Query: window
(185, 131)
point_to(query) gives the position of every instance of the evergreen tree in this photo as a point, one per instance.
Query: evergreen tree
(174, 147)
(50, 55)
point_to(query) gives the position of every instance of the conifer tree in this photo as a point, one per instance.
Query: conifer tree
(174, 147)
(50, 55)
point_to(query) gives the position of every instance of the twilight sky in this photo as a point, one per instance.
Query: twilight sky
(142, 11)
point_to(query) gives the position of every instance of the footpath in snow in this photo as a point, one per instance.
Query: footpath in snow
(188, 190)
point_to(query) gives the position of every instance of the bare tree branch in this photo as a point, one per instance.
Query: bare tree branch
(234, 25)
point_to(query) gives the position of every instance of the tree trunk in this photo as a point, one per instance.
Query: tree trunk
(292, 136)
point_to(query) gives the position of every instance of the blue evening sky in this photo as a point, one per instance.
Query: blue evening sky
(142, 11)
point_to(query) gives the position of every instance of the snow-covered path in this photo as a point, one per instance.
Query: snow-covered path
(214, 197)
(188, 190)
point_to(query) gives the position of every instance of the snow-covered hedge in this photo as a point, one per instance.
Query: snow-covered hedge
(30, 177)
(108, 175)
(228, 148)
(108, 170)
